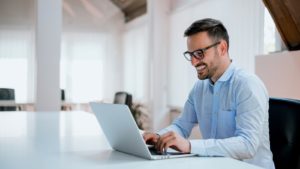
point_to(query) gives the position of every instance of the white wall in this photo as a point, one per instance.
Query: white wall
(48, 38)
(280, 73)
(135, 59)
(159, 28)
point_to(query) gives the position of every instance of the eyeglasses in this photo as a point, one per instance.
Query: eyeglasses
(199, 53)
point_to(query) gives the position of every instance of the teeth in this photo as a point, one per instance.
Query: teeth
(200, 68)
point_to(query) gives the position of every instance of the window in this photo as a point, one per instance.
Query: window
(272, 41)
(16, 53)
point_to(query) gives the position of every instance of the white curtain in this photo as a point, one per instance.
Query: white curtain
(17, 48)
(16, 56)
(91, 51)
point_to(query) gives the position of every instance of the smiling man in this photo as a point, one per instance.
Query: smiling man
(229, 104)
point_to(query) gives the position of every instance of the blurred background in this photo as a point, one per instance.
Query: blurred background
(63, 56)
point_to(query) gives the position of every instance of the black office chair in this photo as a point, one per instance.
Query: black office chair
(138, 111)
(62, 95)
(284, 124)
(63, 107)
(123, 98)
(7, 95)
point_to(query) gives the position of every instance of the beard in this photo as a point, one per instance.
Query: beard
(203, 73)
(205, 70)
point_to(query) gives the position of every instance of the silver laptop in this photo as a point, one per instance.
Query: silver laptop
(123, 134)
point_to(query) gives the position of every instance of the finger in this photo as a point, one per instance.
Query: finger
(146, 136)
(164, 136)
(162, 141)
(166, 142)
(170, 143)
(150, 138)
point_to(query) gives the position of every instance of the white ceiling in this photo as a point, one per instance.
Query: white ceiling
(77, 14)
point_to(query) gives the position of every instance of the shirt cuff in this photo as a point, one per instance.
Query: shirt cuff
(198, 147)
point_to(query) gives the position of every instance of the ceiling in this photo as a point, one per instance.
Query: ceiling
(131, 8)
(286, 16)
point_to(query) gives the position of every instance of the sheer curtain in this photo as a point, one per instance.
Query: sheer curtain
(91, 50)
(16, 63)
(17, 48)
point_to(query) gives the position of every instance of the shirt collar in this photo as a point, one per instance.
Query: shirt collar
(227, 74)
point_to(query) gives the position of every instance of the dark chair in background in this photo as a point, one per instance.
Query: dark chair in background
(7, 94)
(138, 111)
(63, 106)
(62, 95)
(123, 98)
(284, 124)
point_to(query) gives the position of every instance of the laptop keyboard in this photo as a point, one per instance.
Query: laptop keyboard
(153, 151)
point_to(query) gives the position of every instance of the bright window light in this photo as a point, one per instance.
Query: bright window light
(269, 33)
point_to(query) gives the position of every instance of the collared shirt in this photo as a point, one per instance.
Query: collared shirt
(232, 115)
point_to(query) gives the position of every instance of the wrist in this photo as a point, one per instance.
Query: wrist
(189, 147)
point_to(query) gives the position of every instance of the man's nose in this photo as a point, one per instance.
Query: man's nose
(195, 61)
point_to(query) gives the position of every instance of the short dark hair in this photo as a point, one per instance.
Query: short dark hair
(215, 29)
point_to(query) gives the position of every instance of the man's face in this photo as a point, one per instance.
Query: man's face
(206, 67)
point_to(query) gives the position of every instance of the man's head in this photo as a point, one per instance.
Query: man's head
(208, 43)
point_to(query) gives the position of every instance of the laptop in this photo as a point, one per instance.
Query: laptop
(123, 134)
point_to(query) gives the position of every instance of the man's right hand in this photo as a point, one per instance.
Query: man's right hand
(150, 138)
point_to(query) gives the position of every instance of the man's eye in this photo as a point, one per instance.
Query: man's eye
(198, 53)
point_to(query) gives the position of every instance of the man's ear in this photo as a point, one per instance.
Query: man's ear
(223, 47)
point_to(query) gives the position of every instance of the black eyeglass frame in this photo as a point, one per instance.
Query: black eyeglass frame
(188, 55)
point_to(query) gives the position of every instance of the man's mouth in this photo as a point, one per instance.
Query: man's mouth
(200, 68)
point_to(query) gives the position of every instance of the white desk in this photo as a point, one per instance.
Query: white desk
(55, 140)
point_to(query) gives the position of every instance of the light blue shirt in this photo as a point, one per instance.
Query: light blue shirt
(233, 118)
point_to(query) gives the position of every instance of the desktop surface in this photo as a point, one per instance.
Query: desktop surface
(75, 140)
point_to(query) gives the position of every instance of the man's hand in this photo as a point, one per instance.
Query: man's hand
(173, 140)
(150, 138)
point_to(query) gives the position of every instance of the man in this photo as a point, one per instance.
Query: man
(229, 104)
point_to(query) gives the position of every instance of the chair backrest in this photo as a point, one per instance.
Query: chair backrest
(62, 95)
(7, 94)
(284, 124)
(123, 98)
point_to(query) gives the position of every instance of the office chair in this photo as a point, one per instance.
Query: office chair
(62, 95)
(284, 125)
(7, 94)
(63, 107)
